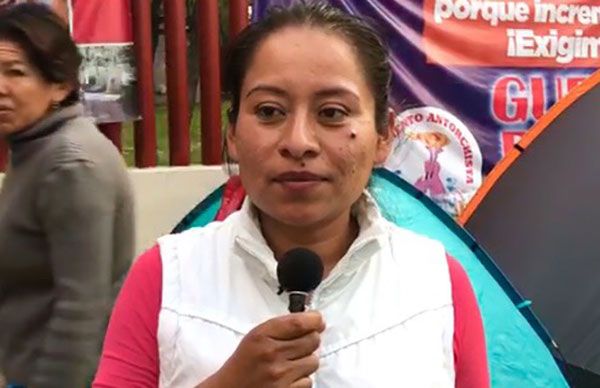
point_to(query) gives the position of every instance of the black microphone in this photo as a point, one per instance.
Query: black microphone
(299, 271)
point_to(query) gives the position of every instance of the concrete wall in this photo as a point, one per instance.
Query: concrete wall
(165, 194)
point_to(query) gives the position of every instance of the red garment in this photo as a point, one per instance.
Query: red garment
(130, 355)
(233, 197)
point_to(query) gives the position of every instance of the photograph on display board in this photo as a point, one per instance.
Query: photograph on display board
(102, 31)
(108, 81)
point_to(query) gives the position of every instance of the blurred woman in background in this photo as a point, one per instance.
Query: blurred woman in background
(66, 209)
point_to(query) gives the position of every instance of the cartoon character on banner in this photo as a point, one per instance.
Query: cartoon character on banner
(430, 183)
(435, 152)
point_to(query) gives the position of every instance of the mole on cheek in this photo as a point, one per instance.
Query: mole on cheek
(352, 134)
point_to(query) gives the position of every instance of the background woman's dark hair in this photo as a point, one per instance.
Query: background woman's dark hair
(45, 39)
(370, 49)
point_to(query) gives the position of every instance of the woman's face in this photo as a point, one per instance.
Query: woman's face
(434, 140)
(305, 136)
(25, 97)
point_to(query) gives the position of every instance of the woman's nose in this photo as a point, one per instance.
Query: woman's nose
(299, 139)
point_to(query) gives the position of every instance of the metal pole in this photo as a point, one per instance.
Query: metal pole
(238, 16)
(210, 80)
(113, 132)
(145, 129)
(177, 76)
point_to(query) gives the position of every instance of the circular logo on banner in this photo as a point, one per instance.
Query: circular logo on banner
(435, 152)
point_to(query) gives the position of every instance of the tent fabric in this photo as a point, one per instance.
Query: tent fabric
(203, 213)
(539, 218)
(518, 346)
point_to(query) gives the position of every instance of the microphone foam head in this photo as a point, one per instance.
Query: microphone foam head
(299, 269)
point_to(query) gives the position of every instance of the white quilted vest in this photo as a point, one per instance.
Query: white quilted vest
(387, 304)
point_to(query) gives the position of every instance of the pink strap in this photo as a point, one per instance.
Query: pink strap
(470, 357)
(130, 354)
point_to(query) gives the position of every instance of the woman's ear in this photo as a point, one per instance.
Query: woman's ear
(59, 92)
(384, 143)
(231, 140)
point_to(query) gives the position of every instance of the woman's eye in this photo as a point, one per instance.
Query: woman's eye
(333, 114)
(269, 113)
(15, 72)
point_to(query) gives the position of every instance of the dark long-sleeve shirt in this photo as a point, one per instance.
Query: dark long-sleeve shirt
(66, 241)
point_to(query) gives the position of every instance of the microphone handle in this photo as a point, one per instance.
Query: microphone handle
(297, 301)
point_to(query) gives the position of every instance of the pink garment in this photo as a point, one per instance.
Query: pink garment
(130, 354)
(431, 183)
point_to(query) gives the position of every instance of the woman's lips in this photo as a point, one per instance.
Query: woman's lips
(5, 111)
(298, 176)
(299, 180)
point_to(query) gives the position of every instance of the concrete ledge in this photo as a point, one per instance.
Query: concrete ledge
(164, 195)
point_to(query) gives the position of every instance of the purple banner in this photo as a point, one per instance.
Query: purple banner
(471, 76)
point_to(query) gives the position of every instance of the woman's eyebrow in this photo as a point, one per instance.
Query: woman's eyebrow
(13, 62)
(337, 91)
(268, 89)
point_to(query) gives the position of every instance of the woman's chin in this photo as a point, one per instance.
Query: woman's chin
(298, 216)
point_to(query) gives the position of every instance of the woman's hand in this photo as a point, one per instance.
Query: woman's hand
(279, 353)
